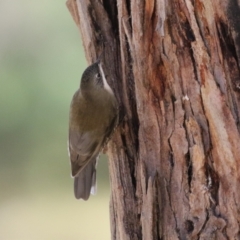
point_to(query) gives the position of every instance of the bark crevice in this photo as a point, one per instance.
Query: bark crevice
(174, 159)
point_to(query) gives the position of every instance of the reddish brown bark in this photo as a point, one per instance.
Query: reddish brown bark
(174, 159)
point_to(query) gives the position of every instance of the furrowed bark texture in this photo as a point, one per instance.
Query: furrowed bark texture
(174, 159)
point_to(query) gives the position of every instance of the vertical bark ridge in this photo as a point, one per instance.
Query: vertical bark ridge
(174, 159)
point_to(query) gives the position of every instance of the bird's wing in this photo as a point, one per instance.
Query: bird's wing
(82, 148)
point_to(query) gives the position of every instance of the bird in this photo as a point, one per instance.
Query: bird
(93, 118)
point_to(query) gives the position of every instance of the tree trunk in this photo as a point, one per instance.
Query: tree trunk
(174, 159)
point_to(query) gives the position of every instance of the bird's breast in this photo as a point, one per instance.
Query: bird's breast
(92, 114)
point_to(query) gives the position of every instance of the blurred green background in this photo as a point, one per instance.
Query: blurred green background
(41, 61)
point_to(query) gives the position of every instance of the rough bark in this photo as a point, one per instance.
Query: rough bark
(174, 159)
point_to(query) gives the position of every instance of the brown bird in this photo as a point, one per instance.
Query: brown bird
(93, 117)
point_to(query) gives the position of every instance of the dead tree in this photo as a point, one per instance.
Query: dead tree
(175, 158)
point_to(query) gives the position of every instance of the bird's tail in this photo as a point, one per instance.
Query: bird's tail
(85, 181)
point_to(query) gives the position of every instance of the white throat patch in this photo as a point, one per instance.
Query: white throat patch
(105, 83)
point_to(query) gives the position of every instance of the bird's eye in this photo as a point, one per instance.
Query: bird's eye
(98, 75)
